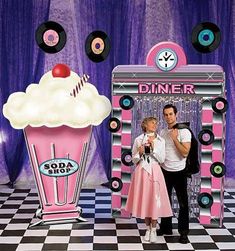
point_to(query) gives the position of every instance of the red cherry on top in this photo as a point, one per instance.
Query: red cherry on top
(61, 71)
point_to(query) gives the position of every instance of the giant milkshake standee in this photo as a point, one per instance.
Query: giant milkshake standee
(57, 116)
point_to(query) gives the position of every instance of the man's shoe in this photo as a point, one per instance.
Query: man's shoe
(160, 232)
(183, 239)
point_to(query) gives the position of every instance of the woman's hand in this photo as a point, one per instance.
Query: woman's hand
(151, 141)
(141, 150)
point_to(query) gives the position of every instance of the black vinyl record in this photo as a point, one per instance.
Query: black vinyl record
(219, 105)
(50, 37)
(218, 169)
(203, 137)
(126, 102)
(97, 46)
(127, 158)
(205, 200)
(116, 184)
(206, 37)
(114, 124)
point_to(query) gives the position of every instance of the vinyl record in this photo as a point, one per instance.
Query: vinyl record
(206, 37)
(126, 102)
(116, 184)
(219, 105)
(205, 200)
(127, 158)
(50, 37)
(114, 124)
(218, 169)
(97, 46)
(206, 137)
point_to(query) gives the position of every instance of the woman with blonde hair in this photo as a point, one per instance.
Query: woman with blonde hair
(148, 198)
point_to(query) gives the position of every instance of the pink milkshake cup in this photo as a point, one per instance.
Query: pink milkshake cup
(57, 116)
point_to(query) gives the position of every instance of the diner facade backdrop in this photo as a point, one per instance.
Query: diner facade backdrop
(133, 27)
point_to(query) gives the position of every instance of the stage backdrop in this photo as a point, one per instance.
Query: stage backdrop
(133, 27)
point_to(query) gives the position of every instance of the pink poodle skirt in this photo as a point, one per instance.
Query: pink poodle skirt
(147, 196)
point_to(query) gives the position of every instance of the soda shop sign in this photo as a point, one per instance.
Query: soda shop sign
(58, 167)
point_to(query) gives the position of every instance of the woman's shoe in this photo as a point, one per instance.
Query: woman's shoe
(153, 236)
(147, 235)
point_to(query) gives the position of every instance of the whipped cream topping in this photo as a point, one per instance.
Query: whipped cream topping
(51, 104)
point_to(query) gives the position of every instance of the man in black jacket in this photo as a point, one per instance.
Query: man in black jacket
(178, 142)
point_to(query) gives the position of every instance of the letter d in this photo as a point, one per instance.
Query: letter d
(61, 165)
(143, 88)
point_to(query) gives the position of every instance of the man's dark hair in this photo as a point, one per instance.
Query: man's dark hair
(170, 106)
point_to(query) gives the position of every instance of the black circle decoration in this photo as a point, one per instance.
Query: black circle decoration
(219, 105)
(50, 37)
(126, 102)
(116, 184)
(205, 200)
(218, 169)
(127, 158)
(206, 137)
(97, 46)
(114, 124)
(206, 37)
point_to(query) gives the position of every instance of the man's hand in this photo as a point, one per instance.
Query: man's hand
(174, 134)
(182, 147)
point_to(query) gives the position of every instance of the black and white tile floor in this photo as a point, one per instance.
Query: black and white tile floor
(101, 231)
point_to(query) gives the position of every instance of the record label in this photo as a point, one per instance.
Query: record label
(50, 37)
(206, 37)
(97, 46)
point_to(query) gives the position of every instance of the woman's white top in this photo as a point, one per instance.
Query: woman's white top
(156, 156)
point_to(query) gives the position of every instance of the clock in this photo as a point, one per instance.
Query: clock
(166, 59)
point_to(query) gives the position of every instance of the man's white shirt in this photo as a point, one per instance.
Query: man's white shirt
(174, 161)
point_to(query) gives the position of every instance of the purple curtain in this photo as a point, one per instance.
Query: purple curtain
(186, 15)
(133, 27)
(122, 21)
(21, 64)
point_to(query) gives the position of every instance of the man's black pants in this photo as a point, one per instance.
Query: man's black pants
(178, 181)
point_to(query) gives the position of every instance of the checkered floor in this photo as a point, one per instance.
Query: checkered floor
(100, 232)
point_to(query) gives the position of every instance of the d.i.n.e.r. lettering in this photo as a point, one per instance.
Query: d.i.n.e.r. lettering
(165, 88)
